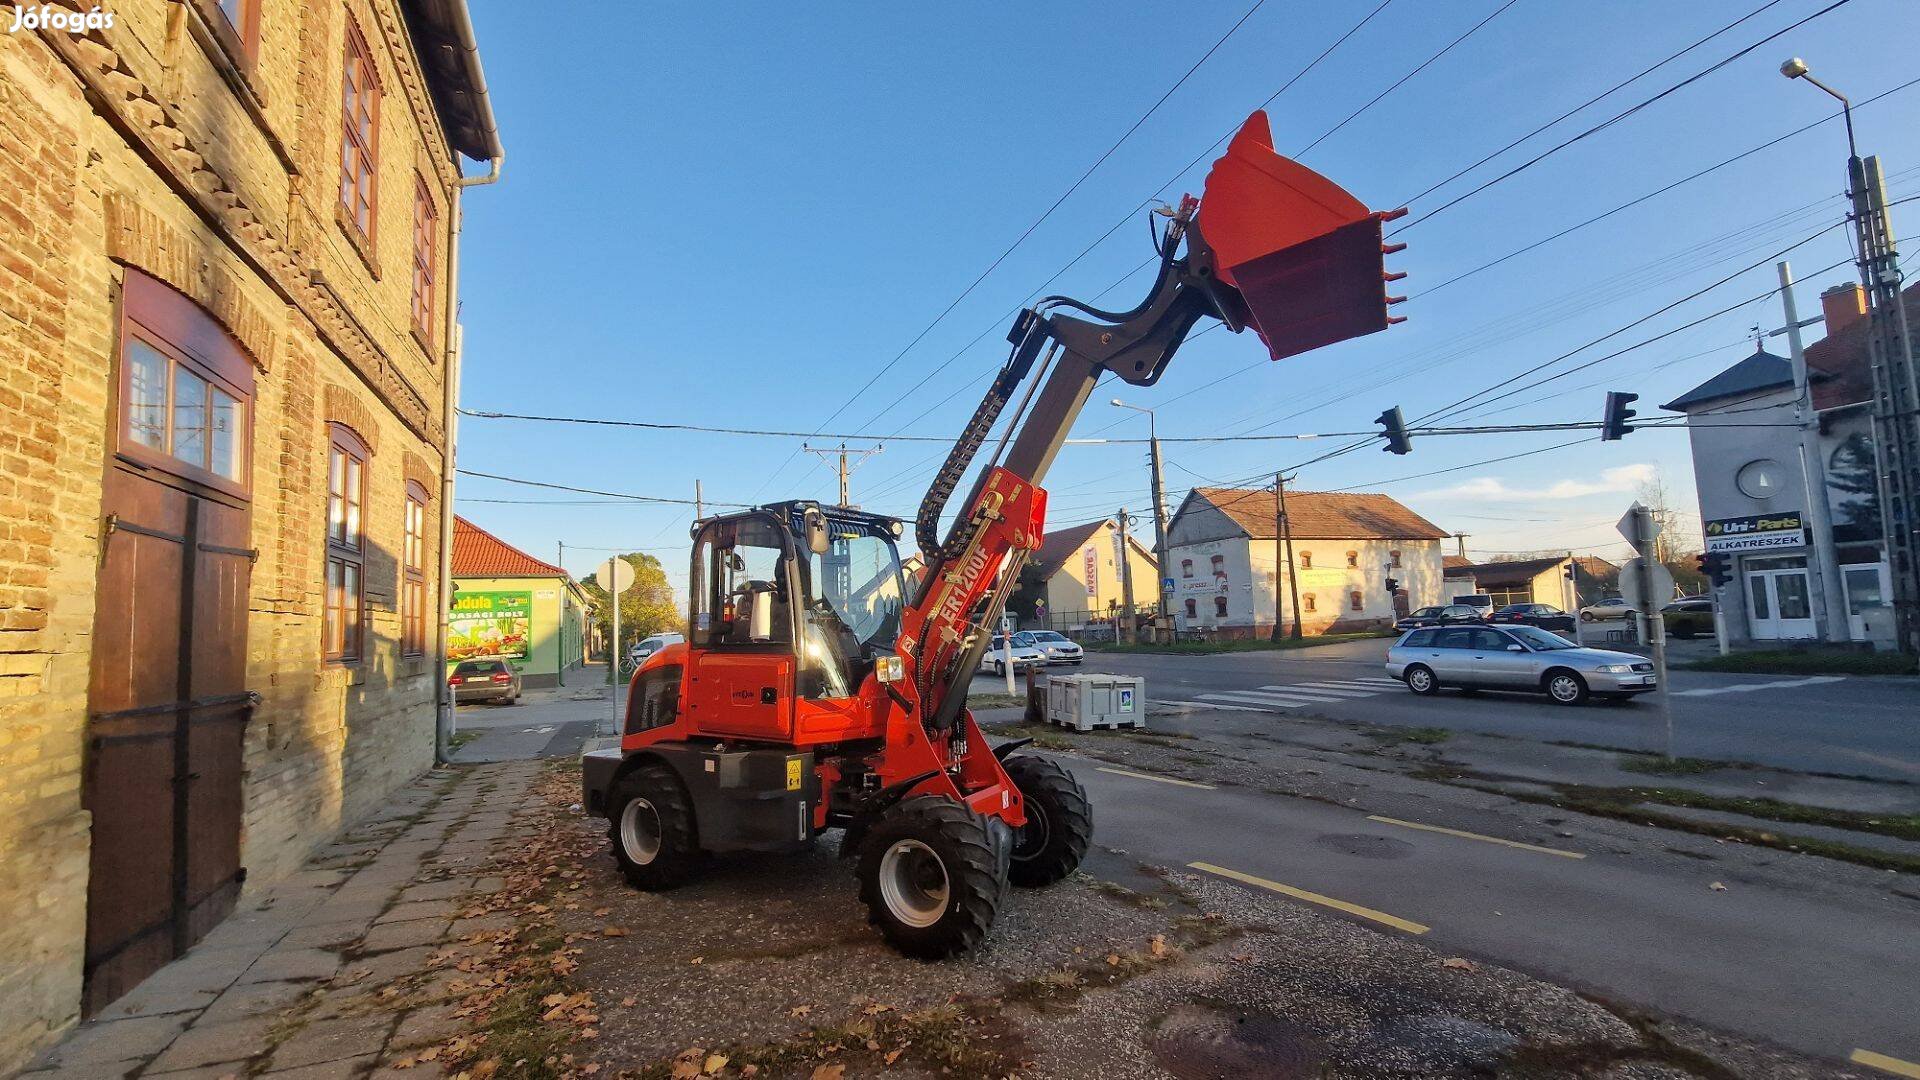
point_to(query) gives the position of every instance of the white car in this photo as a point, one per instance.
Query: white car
(1058, 647)
(1611, 607)
(647, 646)
(1024, 655)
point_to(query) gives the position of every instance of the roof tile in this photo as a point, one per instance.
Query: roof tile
(479, 553)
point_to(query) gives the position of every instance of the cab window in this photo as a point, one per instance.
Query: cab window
(734, 562)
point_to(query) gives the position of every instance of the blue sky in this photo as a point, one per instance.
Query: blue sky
(734, 215)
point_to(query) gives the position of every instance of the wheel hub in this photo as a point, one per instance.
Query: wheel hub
(913, 883)
(640, 831)
(1032, 838)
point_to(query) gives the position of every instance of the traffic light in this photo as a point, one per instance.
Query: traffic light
(1716, 567)
(1613, 422)
(1393, 586)
(1398, 442)
(1571, 573)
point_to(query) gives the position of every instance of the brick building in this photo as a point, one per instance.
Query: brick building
(227, 245)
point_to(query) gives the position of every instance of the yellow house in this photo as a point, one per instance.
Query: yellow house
(1075, 577)
(509, 604)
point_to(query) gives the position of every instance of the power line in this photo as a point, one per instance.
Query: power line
(591, 491)
(1616, 118)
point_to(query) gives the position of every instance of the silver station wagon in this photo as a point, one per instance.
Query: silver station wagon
(1524, 658)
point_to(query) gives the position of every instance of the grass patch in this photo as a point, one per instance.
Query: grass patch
(996, 701)
(1809, 662)
(1425, 736)
(1046, 738)
(1902, 826)
(459, 739)
(1203, 648)
(1652, 765)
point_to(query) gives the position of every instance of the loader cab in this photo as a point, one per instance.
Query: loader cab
(792, 601)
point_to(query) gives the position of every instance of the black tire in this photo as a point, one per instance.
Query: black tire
(1421, 680)
(933, 874)
(1565, 687)
(1587, 616)
(656, 850)
(1059, 827)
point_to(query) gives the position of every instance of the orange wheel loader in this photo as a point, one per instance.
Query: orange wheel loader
(820, 689)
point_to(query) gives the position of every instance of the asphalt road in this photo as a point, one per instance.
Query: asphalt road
(1851, 726)
(1811, 969)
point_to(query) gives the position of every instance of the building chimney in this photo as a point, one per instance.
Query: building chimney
(1843, 305)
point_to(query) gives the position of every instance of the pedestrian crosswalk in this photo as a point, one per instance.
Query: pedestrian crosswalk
(1290, 695)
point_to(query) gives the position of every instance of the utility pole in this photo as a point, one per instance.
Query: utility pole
(1163, 621)
(843, 471)
(1122, 520)
(1283, 557)
(1460, 544)
(698, 504)
(1896, 393)
(1829, 596)
(1651, 583)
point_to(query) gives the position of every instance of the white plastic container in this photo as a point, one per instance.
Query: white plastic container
(1095, 702)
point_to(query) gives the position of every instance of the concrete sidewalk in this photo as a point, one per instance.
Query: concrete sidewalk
(337, 970)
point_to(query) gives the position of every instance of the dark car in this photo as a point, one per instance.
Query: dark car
(485, 680)
(1442, 615)
(1689, 617)
(1544, 616)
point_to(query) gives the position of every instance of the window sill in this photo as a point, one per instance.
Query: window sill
(362, 244)
(425, 341)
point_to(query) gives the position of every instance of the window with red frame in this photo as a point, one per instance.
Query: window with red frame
(1356, 601)
(425, 239)
(1220, 606)
(360, 134)
(413, 573)
(343, 629)
(1193, 610)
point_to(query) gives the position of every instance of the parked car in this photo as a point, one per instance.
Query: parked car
(1058, 647)
(1524, 658)
(1480, 602)
(1544, 616)
(485, 679)
(1438, 616)
(649, 645)
(1608, 607)
(1022, 656)
(1689, 617)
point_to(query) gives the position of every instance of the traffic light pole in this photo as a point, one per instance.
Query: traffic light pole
(1829, 595)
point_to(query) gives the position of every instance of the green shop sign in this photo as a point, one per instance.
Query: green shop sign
(490, 624)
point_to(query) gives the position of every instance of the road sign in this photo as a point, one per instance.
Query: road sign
(1649, 530)
(1647, 591)
(615, 575)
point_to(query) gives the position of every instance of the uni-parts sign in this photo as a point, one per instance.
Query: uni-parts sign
(1759, 532)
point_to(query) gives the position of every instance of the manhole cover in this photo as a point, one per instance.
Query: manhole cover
(1200, 1043)
(1365, 847)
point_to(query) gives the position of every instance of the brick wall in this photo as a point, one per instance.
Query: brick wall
(143, 146)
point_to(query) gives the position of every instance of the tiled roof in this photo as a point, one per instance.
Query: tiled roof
(479, 553)
(1321, 515)
(1843, 358)
(1061, 544)
(1454, 562)
(1515, 568)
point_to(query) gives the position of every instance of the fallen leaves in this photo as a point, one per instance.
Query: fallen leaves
(1717, 887)
(614, 931)
(829, 1072)
(1457, 963)
(1158, 946)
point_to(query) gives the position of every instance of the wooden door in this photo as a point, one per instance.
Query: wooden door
(168, 705)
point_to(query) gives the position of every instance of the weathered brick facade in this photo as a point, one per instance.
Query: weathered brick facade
(152, 146)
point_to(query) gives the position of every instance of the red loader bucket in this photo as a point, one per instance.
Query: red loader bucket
(1305, 254)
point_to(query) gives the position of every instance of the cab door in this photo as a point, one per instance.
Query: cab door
(740, 685)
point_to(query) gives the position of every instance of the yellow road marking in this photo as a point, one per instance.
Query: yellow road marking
(1380, 917)
(1156, 779)
(1476, 836)
(1885, 1064)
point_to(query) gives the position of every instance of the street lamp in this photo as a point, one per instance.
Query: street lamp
(1796, 68)
(1164, 620)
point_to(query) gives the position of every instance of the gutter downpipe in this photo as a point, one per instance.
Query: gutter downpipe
(443, 728)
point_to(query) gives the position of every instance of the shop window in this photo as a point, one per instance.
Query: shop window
(360, 135)
(1353, 560)
(1306, 560)
(346, 545)
(1220, 606)
(413, 573)
(1356, 601)
(1307, 603)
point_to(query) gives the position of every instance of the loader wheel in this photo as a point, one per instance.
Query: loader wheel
(1059, 826)
(653, 831)
(932, 875)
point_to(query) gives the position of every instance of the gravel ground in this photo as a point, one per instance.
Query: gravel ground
(766, 964)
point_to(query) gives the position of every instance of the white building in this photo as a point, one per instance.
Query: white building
(1221, 560)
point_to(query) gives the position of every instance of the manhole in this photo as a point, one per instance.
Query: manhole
(1200, 1043)
(1365, 847)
